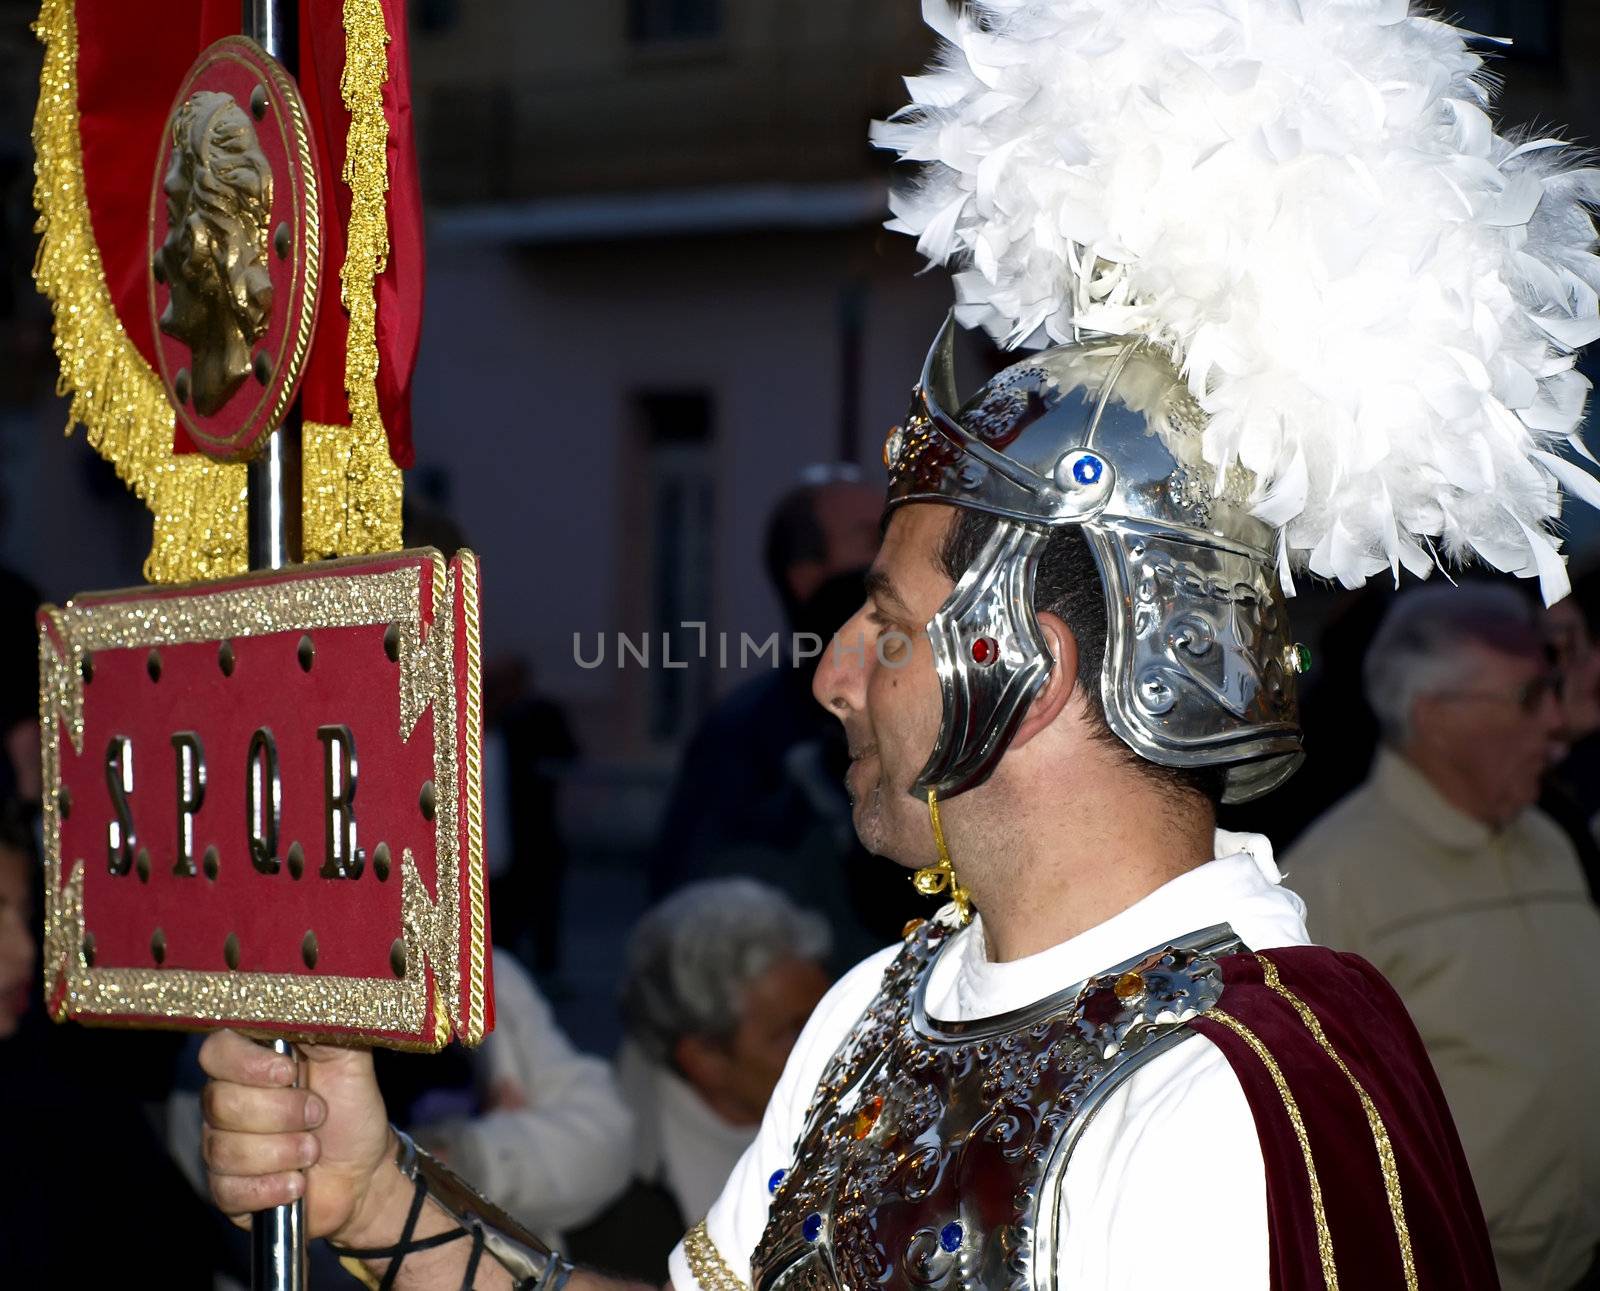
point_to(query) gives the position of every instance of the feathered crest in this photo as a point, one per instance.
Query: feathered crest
(1374, 295)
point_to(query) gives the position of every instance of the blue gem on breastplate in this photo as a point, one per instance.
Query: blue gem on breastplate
(1086, 470)
(950, 1236)
(811, 1229)
(777, 1178)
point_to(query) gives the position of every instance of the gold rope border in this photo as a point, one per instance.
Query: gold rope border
(1330, 1275)
(710, 1270)
(472, 798)
(198, 505)
(1380, 1134)
(353, 488)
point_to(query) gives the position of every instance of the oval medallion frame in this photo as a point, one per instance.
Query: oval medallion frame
(234, 288)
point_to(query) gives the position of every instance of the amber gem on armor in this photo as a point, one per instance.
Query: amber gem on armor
(1129, 987)
(867, 1116)
(913, 926)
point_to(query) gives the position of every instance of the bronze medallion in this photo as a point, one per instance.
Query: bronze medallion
(235, 248)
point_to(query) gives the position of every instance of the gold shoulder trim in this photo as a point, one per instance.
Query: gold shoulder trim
(1380, 1135)
(1330, 1275)
(710, 1270)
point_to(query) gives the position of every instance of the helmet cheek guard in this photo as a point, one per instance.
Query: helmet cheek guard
(991, 659)
(1103, 434)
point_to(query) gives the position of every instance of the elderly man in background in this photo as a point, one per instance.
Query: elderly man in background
(720, 978)
(1441, 871)
(1572, 790)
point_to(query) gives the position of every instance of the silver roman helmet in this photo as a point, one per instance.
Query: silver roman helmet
(1102, 433)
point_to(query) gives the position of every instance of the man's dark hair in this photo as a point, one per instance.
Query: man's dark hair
(1067, 585)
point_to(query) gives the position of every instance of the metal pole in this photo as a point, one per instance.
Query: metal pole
(277, 1236)
(274, 474)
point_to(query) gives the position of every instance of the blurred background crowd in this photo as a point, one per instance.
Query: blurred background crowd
(665, 335)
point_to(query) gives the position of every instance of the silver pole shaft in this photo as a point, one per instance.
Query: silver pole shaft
(277, 1236)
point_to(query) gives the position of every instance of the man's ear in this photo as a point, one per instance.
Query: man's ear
(1059, 683)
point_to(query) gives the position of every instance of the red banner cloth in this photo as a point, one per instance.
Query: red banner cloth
(132, 56)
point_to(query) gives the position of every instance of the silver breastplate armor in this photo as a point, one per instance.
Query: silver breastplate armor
(933, 1152)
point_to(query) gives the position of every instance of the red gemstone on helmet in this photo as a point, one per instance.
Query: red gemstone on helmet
(984, 650)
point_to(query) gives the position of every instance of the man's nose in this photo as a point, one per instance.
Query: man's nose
(839, 683)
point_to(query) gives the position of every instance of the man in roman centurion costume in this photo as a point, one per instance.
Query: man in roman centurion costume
(1289, 302)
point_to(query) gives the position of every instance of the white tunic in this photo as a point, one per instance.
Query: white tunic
(1175, 1139)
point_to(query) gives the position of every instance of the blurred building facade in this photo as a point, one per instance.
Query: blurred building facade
(657, 288)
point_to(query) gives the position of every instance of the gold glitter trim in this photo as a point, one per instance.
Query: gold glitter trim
(1380, 1134)
(352, 491)
(1330, 1275)
(198, 505)
(710, 1270)
(339, 594)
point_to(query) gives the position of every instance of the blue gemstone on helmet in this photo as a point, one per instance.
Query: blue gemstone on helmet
(777, 1178)
(811, 1229)
(1086, 470)
(950, 1236)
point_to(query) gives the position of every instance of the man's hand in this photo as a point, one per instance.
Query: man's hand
(266, 1143)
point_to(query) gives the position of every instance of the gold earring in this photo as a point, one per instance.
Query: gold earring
(931, 880)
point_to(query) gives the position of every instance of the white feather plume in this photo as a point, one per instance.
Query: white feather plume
(1374, 295)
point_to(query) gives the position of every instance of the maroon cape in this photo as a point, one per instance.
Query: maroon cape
(1367, 1186)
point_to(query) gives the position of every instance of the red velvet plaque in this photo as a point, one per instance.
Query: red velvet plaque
(263, 804)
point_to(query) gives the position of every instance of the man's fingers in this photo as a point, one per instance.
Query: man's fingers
(245, 1194)
(225, 1152)
(227, 1055)
(250, 1109)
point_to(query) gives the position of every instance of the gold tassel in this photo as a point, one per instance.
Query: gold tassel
(198, 504)
(353, 489)
(939, 877)
(351, 505)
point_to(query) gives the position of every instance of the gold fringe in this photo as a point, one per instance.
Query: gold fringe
(352, 491)
(198, 505)
(351, 504)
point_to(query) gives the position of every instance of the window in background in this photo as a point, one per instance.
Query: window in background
(678, 446)
(656, 21)
(1534, 26)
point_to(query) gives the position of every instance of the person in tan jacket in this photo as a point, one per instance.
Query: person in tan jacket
(1441, 872)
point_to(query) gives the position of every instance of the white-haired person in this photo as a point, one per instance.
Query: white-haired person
(719, 980)
(1469, 899)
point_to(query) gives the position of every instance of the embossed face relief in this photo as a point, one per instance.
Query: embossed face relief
(877, 676)
(219, 199)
